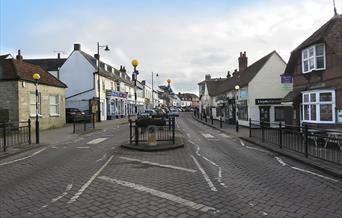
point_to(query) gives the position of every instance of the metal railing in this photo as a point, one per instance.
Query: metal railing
(139, 134)
(320, 143)
(83, 123)
(14, 133)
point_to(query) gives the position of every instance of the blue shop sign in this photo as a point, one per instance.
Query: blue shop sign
(285, 79)
(110, 93)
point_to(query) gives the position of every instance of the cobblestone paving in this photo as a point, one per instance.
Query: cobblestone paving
(229, 180)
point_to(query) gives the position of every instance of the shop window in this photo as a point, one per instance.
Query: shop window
(279, 113)
(243, 112)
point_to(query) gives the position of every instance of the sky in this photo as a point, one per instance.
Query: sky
(181, 40)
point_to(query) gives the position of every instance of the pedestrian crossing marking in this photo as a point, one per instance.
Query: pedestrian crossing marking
(97, 141)
(206, 135)
(224, 135)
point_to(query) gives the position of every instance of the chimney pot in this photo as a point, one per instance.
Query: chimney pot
(77, 47)
(58, 55)
(243, 61)
(19, 57)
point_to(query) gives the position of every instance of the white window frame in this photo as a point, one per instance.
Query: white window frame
(39, 104)
(57, 105)
(314, 58)
(318, 104)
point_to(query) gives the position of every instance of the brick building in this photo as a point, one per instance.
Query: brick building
(316, 69)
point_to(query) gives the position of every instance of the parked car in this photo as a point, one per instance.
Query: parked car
(71, 113)
(148, 113)
(174, 113)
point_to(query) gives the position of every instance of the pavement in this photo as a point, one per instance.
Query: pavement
(59, 136)
(215, 174)
(325, 166)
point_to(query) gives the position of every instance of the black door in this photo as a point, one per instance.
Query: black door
(265, 115)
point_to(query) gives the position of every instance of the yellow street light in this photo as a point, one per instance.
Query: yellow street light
(135, 62)
(237, 87)
(168, 81)
(36, 76)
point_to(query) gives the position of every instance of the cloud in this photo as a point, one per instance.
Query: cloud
(186, 48)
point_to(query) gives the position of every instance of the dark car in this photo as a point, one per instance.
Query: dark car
(71, 113)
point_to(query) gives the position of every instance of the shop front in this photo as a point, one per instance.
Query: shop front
(272, 110)
(116, 104)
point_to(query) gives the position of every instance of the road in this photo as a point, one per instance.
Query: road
(214, 175)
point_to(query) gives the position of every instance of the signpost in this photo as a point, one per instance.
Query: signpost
(152, 135)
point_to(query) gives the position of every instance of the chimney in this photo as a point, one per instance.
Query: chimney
(235, 72)
(228, 74)
(19, 57)
(207, 77)
(243, 61)
(58, 55)
(77, 47)
(143, 82)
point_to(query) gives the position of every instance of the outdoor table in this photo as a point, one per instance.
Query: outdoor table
(335, 137)
(315, 134)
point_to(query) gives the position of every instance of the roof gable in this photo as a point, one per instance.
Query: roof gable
(11, 69)
(330, 34)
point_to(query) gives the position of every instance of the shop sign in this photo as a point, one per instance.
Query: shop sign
(110, 93)
(152, 135)
(286, 79)
(261, 101)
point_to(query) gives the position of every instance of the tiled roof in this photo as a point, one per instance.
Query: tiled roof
(104, 72)
(49, 64)
(221, 86)
(12, 69)
(330, 34)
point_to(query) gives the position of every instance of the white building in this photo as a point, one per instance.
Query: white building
(258, 95)
(108, 90)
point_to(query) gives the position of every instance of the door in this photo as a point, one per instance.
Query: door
(265, 115)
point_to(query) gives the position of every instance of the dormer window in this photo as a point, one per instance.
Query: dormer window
(313, 58)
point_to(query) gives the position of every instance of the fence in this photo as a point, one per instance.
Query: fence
(14, 133)
(83, 123)
(319, 143)
(165, 132)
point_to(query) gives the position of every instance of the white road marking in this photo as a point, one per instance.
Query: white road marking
(160, 194)
(102, 158)
(264, 213)
(224, 135)
(205, 175)
(219, 178)
(242, 143)
(68, 188)
(96, 141)
(257, 149)
(159, 165)
(81, 147)
(23, 158)
(315, 174)
(85, 186)
(207, 135)
(280, 161)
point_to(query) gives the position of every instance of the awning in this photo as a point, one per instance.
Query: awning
(295, 93)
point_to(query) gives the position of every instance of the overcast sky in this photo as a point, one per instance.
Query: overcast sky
(181, 40)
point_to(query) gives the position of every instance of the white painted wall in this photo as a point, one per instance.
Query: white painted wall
(266, 84)
(77, 74)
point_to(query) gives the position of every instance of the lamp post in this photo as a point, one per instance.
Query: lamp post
(153, 90)
(106, 48)
(135, 63)
(237, 88)
(36, 77)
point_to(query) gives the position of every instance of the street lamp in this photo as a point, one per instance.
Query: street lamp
(135, 63)
(153, 90)
(237, 88)
(106, 48)
(36, 77)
